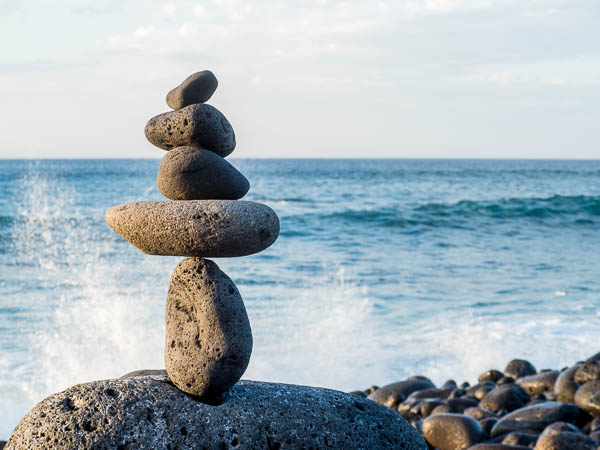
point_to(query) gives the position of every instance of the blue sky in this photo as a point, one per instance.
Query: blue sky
(308, 78)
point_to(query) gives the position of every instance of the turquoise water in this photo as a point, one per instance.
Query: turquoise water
(383, 269)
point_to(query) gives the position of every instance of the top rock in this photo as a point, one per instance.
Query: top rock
(197, 88)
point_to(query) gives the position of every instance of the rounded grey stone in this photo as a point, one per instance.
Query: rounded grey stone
(506, 396)
(518, 368)
(541, 382)
(151, 413)
(392, 394)
(192, 173)
(204, 228)
(561, 435)
(197, 88)
(565, 385)
(208, 338)
(452, 431)
(199, 125)
(588, 397)
(537, 417)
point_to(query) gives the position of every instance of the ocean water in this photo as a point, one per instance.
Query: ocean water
(383, 269)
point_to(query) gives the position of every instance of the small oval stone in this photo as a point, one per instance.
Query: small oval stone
(537, 417)
(204, 228)
(541, 382)
(192, 173)
(588, 397)
(197, 88)
(589, 371)
(565, 385)
(198, 125)
(392, 394)
(506, 396)
(518, 368)
(208, 338)
(452, 431)
(561, 435)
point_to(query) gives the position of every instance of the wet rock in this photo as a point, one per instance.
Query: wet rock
(459, 405)
(428, 405)
(457, 393)
(518, 368)
(491, 375)
(478, 413)
(197, 88)
(432, 393)
(191, 173)
(588, 397)
(595, 357)
(452, 431)
(589, 371)
(487, 424)
(196, 125)
(563, 436)
(565, 385)
(481, 389)
(204, 228)
(149, 412)
(508, 396)
(505, 380)
(538, 417)
(516, 438)
(541, 382)
(2, 444)
(208, 339)
(362, 394)
(392, 394)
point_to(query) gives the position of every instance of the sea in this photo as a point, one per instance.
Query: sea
(383, 269)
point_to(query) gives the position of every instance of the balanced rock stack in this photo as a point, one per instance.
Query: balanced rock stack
(208, 338)
(198, 402)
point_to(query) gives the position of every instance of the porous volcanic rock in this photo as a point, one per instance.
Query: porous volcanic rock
(208, 338)
(197, 88)
(537, 417)
(151, 413)
(203, 228)
(199, 125)
(192, 173)
(452, 431)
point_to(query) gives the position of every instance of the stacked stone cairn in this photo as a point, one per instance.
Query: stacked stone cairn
(200, 401)
(208, 338)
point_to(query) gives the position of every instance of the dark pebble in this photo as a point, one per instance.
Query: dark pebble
(588, 397)
(392, 394)
(508, 396)
(518, 368)
(562, 435)
(452, 431)
(541, 382)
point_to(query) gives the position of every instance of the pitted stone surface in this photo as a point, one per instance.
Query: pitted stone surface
(199, 124)
(192, 173)
(197, 88)
(208, 338)
(204, 228)
(151, 413)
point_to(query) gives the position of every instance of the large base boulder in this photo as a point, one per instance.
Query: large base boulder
(149, 412)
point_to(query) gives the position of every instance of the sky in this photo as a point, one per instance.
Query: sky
(306, 78)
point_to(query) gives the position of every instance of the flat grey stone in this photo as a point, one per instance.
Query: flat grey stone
(192, 173)
(204, 228)
(197, 88)
(208, 338)
(199, 125)
(537, 417)
(151, 413)
(452, 431)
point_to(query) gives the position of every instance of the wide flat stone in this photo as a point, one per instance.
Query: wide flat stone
(197, 88)
(151, 413)
(204, 228)
(199, 124)
(208, 338)
(192, 173)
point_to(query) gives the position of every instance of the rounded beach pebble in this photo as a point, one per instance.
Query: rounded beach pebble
(199, 125)
(197, 88)
(208, 338)
(151, 413)
(211, 228)
(452, 431)
(192, 173)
